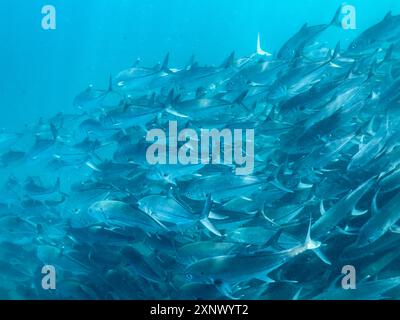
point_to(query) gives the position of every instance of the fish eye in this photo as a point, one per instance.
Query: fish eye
(188, 277)
(218, 282)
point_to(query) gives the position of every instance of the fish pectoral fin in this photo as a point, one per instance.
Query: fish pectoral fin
(345, 232)
(175, 113)
(216, 216)
(321, 256)
(356, 212)
(303, 186)
(210, 227)
(280, 186)
(264, 277)
(246, 198)
(159, 223)
(395, 228)
(225, 289)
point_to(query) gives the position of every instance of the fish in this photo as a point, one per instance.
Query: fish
(340, 210)
(11, 157)
(168, 210)
(369, 290)
(236, 268)
(77, 189)
(383, 32)
(222, 187)
(121, 214)
(379, 223)
(304, 37)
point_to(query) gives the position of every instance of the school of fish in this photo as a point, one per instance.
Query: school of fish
(78, 193)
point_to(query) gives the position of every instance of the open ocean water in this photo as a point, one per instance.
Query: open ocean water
(188, 149)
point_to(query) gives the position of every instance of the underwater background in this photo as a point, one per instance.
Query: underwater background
(43, 71)
(85, 214)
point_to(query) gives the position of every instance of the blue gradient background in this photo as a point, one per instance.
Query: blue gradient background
(41, 71)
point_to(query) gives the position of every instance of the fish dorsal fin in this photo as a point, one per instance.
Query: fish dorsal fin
(152, 99)
(388, 16)
(136, 63)
(177, 99)
(191, 63)
(241, 97)
(336, 18)
(164, 66)
(389, 53)
(194, 66)
(372, 69)
(110, 84)
(228, 61)
(304, 26)
(200, 92)
(260, 51)
(170, 97)
(273, 241)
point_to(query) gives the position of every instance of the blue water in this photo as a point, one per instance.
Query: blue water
(78, 193)
(41, 71)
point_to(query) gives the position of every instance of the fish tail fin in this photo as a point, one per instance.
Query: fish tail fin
(204, 220)
(335, 20)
